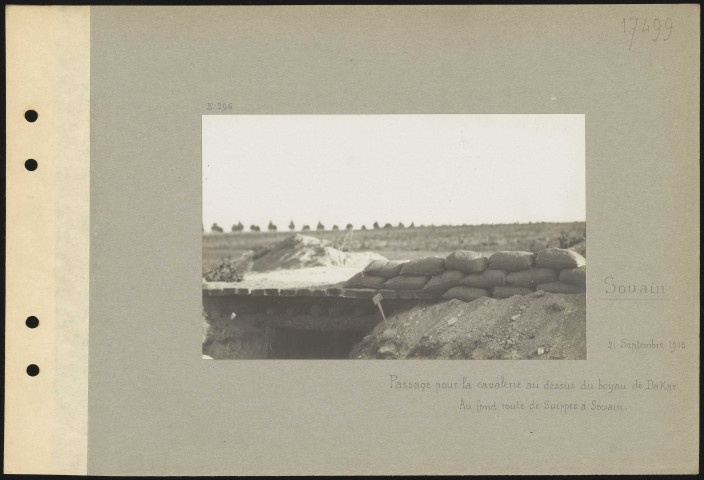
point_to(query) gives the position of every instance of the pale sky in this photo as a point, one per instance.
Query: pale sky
(427, 169)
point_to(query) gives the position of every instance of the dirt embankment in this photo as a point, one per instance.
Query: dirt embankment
(296, 261)
(536, 326)
(301, 251)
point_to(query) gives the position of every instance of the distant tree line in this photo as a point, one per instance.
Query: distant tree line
(239, 227)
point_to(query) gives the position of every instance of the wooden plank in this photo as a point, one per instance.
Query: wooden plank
(317, 293)
(358, 293)
(425, 296)
(258, 292)
(333, 292)
(242, 291)
(389, 294)
(271, 292)
(288, 292)
(303, 292)
(219, 292)
(212, 292)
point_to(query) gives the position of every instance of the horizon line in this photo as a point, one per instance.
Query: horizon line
(388, 225)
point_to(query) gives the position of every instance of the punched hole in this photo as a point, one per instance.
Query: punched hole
(31, 164)
(32, 370)
(31, 115)
(32, 322)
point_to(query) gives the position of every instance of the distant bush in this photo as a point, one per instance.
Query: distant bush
(238, 227)
(320, 226)
(388, 225)
(335, 227)
(376, 225)
(254, 228)
(292, 226)
(401, 225)
(216, 228)
(271, 227)
(306, 228)
(412, 225)
(349, 226)
(364, 227)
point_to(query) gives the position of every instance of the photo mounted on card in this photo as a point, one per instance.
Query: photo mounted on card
(394, 237)
(390, 275)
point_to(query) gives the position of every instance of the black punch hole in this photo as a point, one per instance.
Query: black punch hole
(31, 164)
(31, 115)
(32, 370)
(32, 322)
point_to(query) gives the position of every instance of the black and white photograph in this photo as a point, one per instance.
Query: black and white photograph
(410, 185)
(394, 237)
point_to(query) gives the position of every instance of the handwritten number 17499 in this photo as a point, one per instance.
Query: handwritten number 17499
(655, 28)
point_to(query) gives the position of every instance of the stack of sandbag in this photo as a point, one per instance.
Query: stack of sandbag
(415, 274)
(572, 267)
(466, 275)
(375, 274)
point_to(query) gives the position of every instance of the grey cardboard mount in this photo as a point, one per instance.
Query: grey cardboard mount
(155, 407)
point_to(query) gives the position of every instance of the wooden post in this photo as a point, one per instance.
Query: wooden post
(377, 301)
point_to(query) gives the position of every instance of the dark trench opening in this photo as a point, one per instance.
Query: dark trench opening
(313, 344)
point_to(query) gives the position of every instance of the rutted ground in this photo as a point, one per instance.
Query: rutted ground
(536, 326)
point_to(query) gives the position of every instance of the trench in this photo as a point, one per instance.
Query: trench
(274, 328)
(291, 343)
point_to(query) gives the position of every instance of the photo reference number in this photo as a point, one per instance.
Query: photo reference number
(221, 106)
(652, 28)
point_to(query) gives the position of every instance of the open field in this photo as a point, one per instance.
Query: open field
(407, 243)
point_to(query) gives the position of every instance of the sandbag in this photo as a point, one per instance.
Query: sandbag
(466, 294)
(384, 268)
(559, 258)
(509, 291)
(486, 279)
(424, 266)
(444, 281)
(575, 276)
(467, 262)
(559, 287)
(407, 282)
(511, 261)
(530, 278)
(361, 280)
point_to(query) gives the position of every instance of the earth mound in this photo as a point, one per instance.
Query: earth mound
(302, 251)
(229, 270)
(536, 326)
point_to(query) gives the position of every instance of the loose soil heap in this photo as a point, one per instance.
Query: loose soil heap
(535, 326)
(227, 271)
(301, 251)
